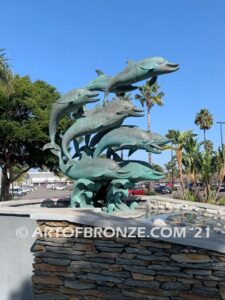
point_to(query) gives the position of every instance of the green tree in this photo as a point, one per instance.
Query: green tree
(5, 72)
(207, 171)
(204, 120)
(157, 168)
(150, 95)
(219, 164)
(179, 140)
(191, 158)
(24, 116)
(126, 97)
(171, 168)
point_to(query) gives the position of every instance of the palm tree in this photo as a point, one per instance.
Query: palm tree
(150, 96)
(204, 120)
(179, 140)
(191, 158)
(5, 72)
(171, 168)
(219, 164)
(207, 170)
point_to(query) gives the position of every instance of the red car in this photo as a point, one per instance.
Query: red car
(169, 185)
(136, 191)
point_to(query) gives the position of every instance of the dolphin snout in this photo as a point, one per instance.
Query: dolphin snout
(91, 97)
(172, 67)
(135, 112)
(92, 94)
(138, 110)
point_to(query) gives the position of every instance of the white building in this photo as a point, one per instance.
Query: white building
(40, 178)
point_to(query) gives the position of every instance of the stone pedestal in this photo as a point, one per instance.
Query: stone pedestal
(78, 268)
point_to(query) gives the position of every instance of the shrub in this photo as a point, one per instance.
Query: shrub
(150, 193)
(222, 201)
(190, 197)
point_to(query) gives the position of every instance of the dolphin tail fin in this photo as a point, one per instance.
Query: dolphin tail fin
(56, 152)
(51, 146)
(99, 72)
(130, 62)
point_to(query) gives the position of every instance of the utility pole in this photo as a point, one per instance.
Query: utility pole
(221, 132)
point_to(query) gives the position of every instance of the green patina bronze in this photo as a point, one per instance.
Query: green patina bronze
(71, 103)
(132, 138)
(104, 181)
(140, 70)
(100, 119)
(102, 83)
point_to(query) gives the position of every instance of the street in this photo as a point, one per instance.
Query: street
(44, 193)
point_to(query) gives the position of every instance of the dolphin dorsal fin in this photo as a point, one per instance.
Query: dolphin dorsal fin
(99, 72)
(130, 62)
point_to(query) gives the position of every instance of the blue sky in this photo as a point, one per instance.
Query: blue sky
(63, 42)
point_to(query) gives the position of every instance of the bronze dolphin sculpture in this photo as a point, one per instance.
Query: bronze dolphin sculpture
(100, 119)
(140, 70)
(71, 102)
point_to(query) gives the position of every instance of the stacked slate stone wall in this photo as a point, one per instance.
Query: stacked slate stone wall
(160, 205)
(121, 268)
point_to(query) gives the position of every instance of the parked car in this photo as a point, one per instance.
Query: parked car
(27, 188)
(136, 191)
(59, 187)
(17, 191)
(163, 190)
(222, 188)
(169, 185)
(49, 186)
(198, 187)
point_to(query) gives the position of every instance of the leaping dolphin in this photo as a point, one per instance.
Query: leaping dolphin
(140, 70)
(131, 138)
(100, 119)
(92, 169)
(71, 102)
(103, 81)
(139, 170)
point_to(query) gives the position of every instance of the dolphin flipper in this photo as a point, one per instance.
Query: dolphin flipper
(87, 139)
(152, 80)
(132, 151)
(76, 147)
(105, 100)
(115, 156)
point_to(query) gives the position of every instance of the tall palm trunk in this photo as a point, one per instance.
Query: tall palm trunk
(221, 179)
(149, 154)
(204, 130)
(208, 190)
(172, 167)
(180, 171)
(149, 130)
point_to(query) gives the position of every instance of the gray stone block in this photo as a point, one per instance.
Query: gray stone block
(78, 284)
